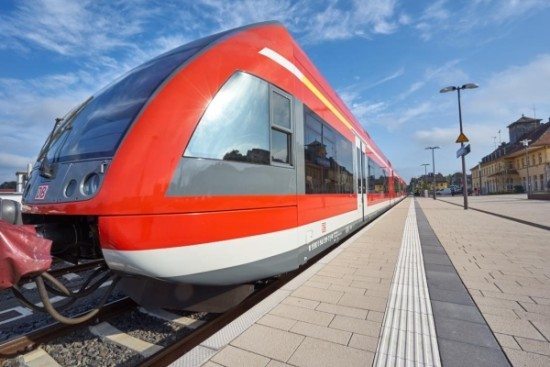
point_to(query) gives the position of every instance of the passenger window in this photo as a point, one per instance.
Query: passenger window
(328, 158)
(235, 126)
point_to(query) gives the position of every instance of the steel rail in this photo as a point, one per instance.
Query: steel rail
(27, 342)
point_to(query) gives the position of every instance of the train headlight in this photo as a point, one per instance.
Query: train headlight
(90, 184)
(70, 188)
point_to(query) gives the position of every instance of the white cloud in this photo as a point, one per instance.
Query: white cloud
(68, 27)
(449, 19)
(507, 94)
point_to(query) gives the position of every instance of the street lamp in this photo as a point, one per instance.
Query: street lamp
(525, 143)
(464, 178)
(433, 167)
(425, 168)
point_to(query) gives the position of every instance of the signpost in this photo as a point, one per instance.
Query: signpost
(464, 150)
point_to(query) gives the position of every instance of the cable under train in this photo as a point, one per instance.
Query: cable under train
(220, 163)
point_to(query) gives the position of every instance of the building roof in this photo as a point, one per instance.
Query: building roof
(524, 119)
(538, 136)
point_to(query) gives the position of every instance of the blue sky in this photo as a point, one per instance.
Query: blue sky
(387, 59)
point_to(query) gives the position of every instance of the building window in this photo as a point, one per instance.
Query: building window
(239, 125)
(540, 158)
(541, 182)
(328, 158)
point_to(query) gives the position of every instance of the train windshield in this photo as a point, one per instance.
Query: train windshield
(99, 125)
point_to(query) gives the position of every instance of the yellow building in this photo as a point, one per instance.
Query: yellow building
(510, 165)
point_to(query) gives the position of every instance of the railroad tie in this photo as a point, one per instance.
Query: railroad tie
(109, 333)
(38, 358)
(188, 322)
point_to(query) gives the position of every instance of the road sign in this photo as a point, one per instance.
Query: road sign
(463, 151)
(462, 138)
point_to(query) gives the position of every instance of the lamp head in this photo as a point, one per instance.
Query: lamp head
(469, 86)
(448, 89)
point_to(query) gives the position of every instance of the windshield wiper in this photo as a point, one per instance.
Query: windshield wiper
(46, 169)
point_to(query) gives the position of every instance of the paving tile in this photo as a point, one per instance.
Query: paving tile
(364, 327)
(319, 353)
(375, 316)
(535, 346)
(302, 314)
(269, 342)
(340, 288)
(446, 281)
(438, 267)
(314, 284)
(465, 332)
(457, 311)
(316, 294)
(211, 364)
(277, 322)
(330, 280)
(543, 327)
(526, 359)
(522, 328)
(321, 332)
(531, 307)
(531, 316)
(300, 302)
(437, 259)
(274, 363)
(462, 297)
(456, 354)
(365, 302)
(231, 356)
(364, 342)
(507, 341)
(343, 310)
(541, 300)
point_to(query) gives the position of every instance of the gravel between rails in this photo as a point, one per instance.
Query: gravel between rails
(152, 329)
(82, 348)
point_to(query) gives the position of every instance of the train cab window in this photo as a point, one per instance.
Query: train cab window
(235, 126)
(280, 143)
(281, 109)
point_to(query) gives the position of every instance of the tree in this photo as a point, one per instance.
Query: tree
(10, 185)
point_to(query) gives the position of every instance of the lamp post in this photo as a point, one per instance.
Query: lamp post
(433, 167)
(464, 178)
(525, 143)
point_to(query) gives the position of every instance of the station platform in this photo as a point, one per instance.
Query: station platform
(426, 284)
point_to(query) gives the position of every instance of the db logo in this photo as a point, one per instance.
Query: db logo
(41, 192)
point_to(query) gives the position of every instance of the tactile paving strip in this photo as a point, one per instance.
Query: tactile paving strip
(408, 333)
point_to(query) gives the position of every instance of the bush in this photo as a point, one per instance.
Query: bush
(518, 189)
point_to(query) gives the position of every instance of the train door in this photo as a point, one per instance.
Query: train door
(361, 188)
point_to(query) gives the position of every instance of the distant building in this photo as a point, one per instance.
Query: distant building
(505, 169)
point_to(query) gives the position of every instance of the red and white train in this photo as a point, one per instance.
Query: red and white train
(222, 162)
